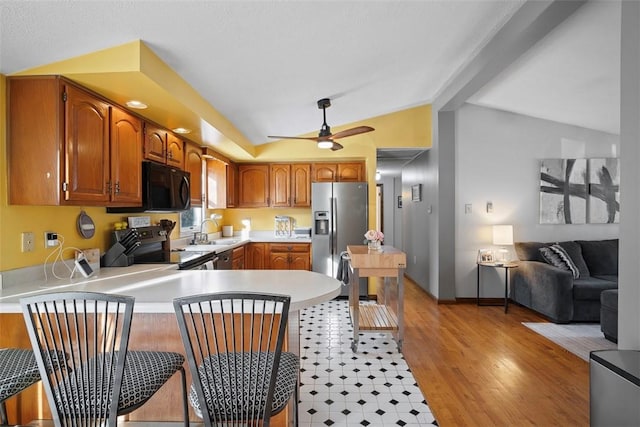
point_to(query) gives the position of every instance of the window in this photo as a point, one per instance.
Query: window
(190, 221)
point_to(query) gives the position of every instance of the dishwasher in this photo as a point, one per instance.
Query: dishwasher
(224, 260)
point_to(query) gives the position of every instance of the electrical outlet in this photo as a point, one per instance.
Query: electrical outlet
(50, 239)
(28, 239)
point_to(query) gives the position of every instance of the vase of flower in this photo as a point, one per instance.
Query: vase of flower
(374, 245)
(373, 239)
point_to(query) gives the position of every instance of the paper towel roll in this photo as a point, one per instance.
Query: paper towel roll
(227, 230)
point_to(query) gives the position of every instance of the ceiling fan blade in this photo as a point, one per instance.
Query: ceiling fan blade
(336, 146)
(310, 138)
(353, 131)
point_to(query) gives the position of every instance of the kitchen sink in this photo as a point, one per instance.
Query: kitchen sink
(224, 241)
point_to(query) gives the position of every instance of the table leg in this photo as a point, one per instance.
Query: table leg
(477, 284)
(506, 289)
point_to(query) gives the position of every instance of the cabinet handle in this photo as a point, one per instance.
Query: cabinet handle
(109, 187)
(118, 187)
(289, 248)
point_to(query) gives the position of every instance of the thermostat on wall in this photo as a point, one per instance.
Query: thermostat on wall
(139, 221)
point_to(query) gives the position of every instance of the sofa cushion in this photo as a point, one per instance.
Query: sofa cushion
(601, 256)
(558, 257)
(589, 288)
(574, 250)
(608, 277)
(529, 251)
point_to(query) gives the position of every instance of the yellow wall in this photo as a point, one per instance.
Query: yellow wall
(408, 128)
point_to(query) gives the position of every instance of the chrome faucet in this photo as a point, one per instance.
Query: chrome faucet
(203, 237)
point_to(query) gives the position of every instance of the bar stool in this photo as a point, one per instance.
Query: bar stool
(18, 370)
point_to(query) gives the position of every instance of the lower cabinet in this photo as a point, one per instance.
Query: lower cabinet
(237, 259)
(255, 257)
(289, 256)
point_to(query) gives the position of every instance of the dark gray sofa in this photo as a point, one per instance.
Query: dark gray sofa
(554, 292)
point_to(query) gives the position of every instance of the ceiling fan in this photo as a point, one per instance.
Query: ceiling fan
(325, 138)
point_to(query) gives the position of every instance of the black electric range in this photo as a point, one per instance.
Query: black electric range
(152, 250)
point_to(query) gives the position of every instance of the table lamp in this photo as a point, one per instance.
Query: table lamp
(502, 235)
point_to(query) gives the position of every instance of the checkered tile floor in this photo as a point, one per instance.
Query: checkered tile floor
(373, 387)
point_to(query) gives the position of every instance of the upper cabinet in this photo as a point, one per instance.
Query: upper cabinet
(67, 146)
(163, 147)
(290, 185)
(338, 172)
(126, 158)
(253, 186)
(193, 165)
(232, 185)
(216, 184)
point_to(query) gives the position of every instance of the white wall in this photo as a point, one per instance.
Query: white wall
(497, 159)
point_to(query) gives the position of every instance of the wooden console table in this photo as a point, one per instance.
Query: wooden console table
(387, 263)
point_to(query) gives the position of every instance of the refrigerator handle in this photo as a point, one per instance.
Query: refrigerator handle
(334, 228)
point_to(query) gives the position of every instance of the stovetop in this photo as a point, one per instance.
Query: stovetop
(173, 257)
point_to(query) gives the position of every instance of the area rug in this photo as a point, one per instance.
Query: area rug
(578, 338)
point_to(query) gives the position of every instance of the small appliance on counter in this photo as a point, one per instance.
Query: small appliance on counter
(283, 226)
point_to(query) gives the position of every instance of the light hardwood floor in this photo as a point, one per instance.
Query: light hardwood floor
(478, 366)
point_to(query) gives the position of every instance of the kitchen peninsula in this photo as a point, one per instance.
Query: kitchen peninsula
(154, 326)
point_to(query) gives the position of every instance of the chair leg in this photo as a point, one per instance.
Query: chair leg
(185, 406)
(3, 414)
(296, 396)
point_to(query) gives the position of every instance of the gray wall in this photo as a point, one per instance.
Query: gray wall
(497, 160)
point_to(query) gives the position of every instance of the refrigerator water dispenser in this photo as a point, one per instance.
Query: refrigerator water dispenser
(321, 220)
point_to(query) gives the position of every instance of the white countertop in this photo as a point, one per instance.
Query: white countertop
(155, 287)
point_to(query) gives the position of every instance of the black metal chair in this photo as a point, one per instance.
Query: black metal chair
(233, 343)
(99, 379)
(18, 370)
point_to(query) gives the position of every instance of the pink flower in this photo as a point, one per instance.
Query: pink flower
(374, 235)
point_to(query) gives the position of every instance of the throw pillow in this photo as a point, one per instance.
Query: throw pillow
(558, 257)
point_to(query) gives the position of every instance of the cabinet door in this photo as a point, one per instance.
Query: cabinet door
(175, 152)
(280, 185)
(299, 261)
(216, 184)
(193, 165)
(324, 172)
(301, 185)
(155, 143)
(86, 147)
(350, 172)
(279, 261)
(255, 256)
(126, 158)
(254, 186)
(237, 262)
(232, 185)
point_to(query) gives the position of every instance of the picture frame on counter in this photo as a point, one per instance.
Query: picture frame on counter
(485, 255)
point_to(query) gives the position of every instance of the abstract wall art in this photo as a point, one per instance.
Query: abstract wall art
(563, 191)
(578, 191)
(604, 191)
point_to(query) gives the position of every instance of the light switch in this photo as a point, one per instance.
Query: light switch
(467, 208)
(489, 207)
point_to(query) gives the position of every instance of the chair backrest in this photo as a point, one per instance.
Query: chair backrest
(92, 331)
(233, 342)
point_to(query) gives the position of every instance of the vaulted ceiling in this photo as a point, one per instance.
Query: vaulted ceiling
(262, 65)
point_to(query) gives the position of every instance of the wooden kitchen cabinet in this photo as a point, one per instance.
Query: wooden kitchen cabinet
(237, 259)
(232, 185)
(290, 256)
(126, 158)
(280, 185)
(162, 146)
(301, 185)
(216, 184)
(338, 172)
(253, 188)
(255, 256)
(193, 165)
(67, 146)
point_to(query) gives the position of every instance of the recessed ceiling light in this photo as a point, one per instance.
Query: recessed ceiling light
(136, 104)
(182, 130)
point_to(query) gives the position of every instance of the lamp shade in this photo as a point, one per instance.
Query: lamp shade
(503, 235)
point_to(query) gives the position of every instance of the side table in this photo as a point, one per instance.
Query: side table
(507, 266)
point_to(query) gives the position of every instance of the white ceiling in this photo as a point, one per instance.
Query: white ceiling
(264, 64)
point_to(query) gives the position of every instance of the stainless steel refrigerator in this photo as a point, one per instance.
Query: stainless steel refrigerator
(340, 218)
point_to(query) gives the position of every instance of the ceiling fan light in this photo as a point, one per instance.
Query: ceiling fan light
(325, 144)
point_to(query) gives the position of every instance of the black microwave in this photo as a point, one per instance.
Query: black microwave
(164, 189)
